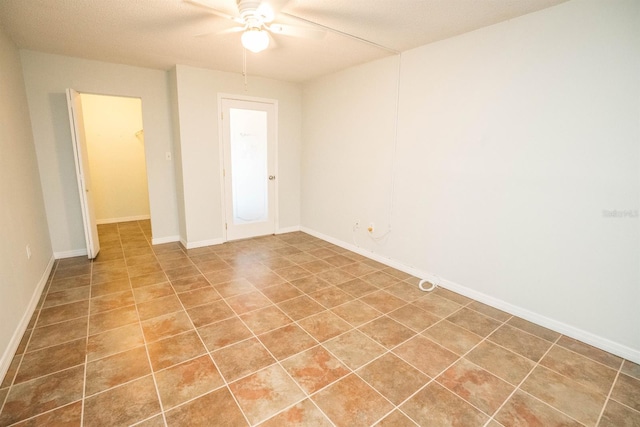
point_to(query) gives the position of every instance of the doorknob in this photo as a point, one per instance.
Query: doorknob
(272, 177)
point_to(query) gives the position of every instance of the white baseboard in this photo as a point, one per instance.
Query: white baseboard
(288, 229)
(7, 356)
(122, 219)
(70, 254)
(201, 243)
(555, 325)
(167, 239)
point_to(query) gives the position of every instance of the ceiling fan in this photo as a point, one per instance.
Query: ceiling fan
(255, 22)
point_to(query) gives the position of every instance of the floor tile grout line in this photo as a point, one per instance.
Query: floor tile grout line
(195, 329)
(144, 340)
(606, 400)
(43, 297)
(86, 348)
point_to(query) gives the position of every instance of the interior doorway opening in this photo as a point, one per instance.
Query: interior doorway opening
(110, 162)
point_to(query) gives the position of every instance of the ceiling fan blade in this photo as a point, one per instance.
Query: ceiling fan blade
(232, 30)
(205, 5)
(295, 31)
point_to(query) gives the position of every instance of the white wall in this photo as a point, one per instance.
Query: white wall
(115, 146)
(22, 214)
(196, 92)
(46, 78)
(512, 141)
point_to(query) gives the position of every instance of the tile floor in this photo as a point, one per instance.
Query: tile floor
(290, 330)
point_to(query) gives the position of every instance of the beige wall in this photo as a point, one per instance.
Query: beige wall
(115, 145)
(512, 141)
(198, 148)
(22, 214)
(46, 79)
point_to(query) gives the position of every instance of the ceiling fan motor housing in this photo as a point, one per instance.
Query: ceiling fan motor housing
(250, 13)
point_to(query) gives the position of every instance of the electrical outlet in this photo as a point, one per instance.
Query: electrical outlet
(28, 252)
(371, 227)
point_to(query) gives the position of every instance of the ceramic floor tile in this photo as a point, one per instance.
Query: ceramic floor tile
(62, 313)
(354, 348)
(42, 394)
(522, 409)
(11, 371)
(174, 350)
(437, 305)
(117, 369)
(396, 419)
(356, 312)
(112, 319)
(618, 415)
(315, 369)
(245, 303)
(383, 301)
(357, 269)
(71, 282)
(533, 329)
(109, 275)
(265, 319)
(266, 392)
(215, 408)
(151, 292)
(282, 292)
(51, 359)
(287, 341)
(301, 307)
(234, 287)
(405, 291)
(520, 342)
(242, 359)
(324, 326)
(303, 414)
(198, 297)
(210, 313)
(58, 333)
(631, 369)
(351, 402)
(473, 321)
(166, 326)
(387, 332)
(190, 283)
(452, 337)
(426, 355)
(111, 302)
(413, 317)
(123, 405)
(148, 279)
(501, 362)
(310, 284)
(627, 391)
(265, 280)
(114, 341)
(187, 380)
(66, 296)
(106, 288)
(159, 307)
(143, 269)
(477, 386)
(331, 297)
(70, 415)
(293, 273)
(591, 352)
(393, 378)
(434, 405)
(380, 279)
(579, 402)
(226, 332)
(335, 276)
(580, 369)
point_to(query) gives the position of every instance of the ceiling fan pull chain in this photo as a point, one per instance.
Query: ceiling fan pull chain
(244, 67)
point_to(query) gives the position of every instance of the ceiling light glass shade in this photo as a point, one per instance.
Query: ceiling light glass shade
(255, 40)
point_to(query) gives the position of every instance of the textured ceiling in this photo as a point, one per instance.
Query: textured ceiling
(162, 33)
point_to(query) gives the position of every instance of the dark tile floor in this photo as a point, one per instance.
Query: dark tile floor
(290, 330)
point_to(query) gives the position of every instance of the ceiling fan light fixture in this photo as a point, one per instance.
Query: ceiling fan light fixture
(255, 39)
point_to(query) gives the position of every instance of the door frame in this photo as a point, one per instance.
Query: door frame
(223, 190)
(83, 174)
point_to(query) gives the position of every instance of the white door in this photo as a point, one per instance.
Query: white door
(82, 172)
(249, 136)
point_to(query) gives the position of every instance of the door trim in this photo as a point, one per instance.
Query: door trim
(223, 198)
